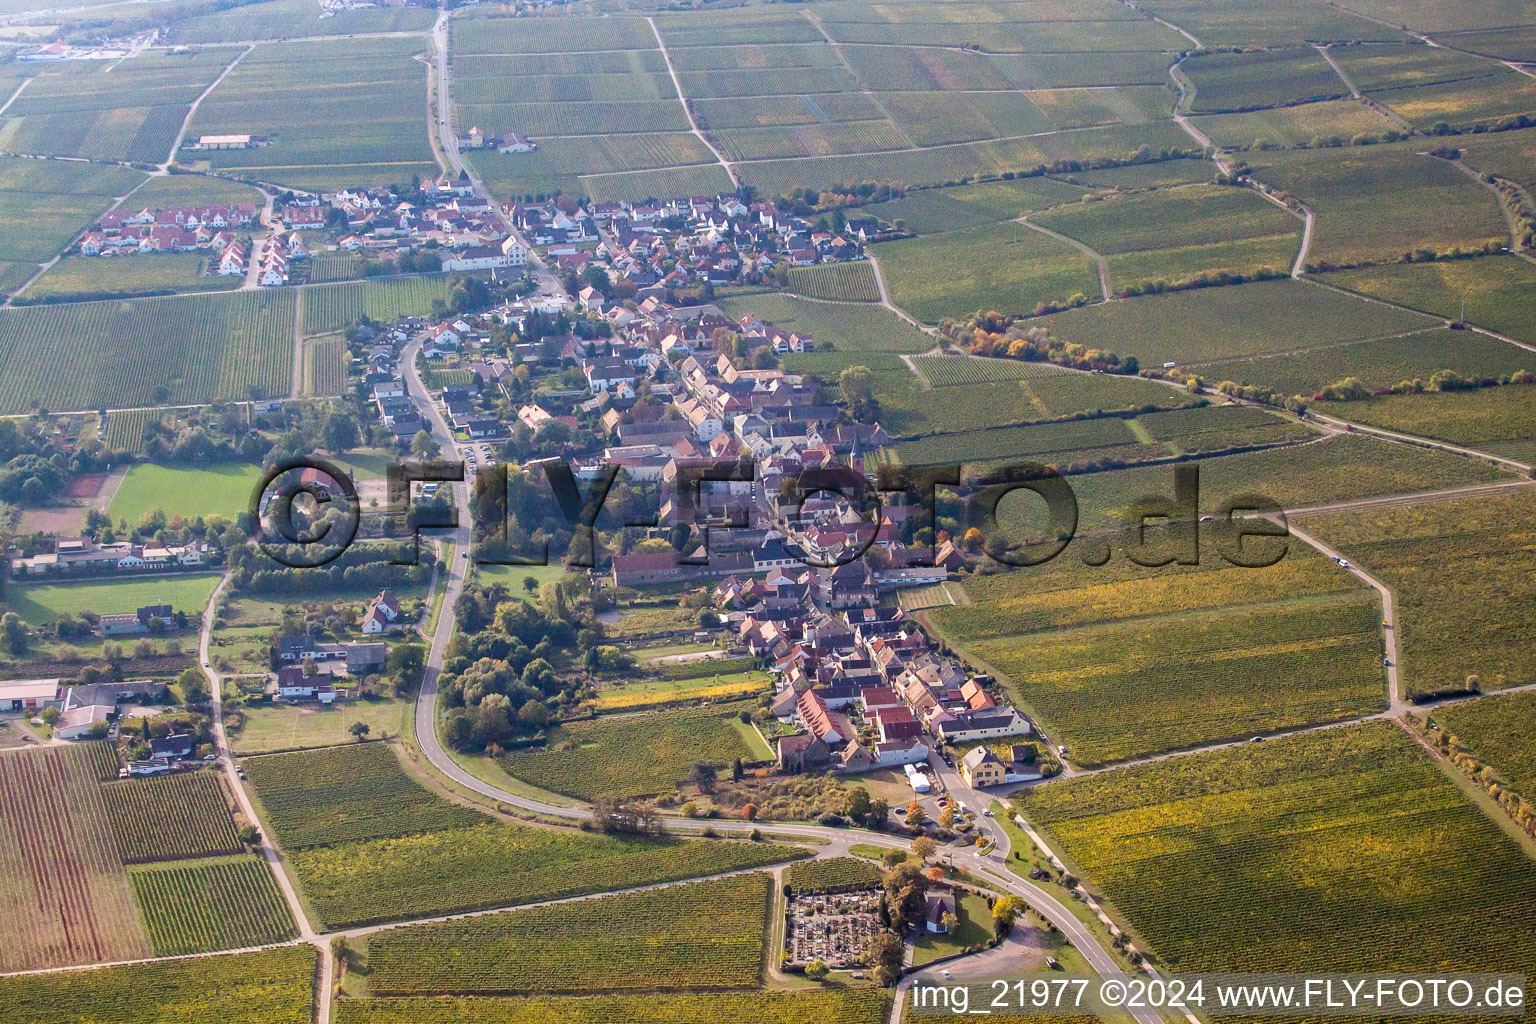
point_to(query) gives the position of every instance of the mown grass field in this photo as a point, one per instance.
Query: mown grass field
(1501, 731)
(631, 755)
(1498, 420)
(221, 490)
(860, 1006)
(1344, 188)
(113, 354)
(1378, 364)
(42, 604)
(94, 277)
(229, 903)
(274, 986)
(707, 935)
(274, 728)
(1006, 267)
(1213, 323)
(1497, 292)
(1345, 849)
(1123, 661)
(1462, 572)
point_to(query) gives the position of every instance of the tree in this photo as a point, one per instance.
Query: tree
(817, 970)
(15, 633)
(857, 384)
(360, 730)
(894, 857)
(534, 713)
(924, 847)
(857, 803)
(423, 446)
(1004, 912)
(341, 433)
(885, 950)
(703, 776)
(530, 584)
(249, 835)
(949, 922)
(619, 814)
(737, 771)
(51, 716)
(916, 815)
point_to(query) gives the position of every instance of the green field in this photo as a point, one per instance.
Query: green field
(229, 903)
(932, 210)
(274, 986)
(1123, 662)
(340, 113)
(1496, 292)
(277, 19)
(707, 935)
(1344, 188)
(170, 817)
(1381, 363)
(1294, 126)
(489, 866)
(835, 874)
(94, 277)
(975, 927)
(1510, 155)
(344, 794)
(1265, 78)
(143, 352)
(41, 604)
(44, 203)
(946, 370)
(1462, 573)
(1213, 323)
(846, 282)
(276, 727)
(631, 755)
(1048, 443)
(1498, 420)
(221, 490)
(862, 1006)
(1006, 267)
(847, 328)
(129, 112)
(332, 307)
(1501, 731)
(1337, 468)
(1341, 850)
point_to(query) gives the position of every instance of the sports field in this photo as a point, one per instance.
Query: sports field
(222, 490)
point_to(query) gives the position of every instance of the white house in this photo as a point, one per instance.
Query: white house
(479, 257)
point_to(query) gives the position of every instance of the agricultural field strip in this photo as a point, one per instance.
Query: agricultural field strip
(682, 98)
(854, 73)
(1258, 356)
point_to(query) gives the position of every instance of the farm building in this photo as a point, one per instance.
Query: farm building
(27, 694)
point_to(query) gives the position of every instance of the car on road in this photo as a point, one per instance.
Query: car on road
(947, 975)
(1062, 750)
(1344, 562)
(1257, 739)
(988, 812)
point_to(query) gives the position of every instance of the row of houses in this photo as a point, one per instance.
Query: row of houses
(85, 554)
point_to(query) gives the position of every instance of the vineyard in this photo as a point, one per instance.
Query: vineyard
(847, 282)
(332, 307)
(170, 817)
(837, 874)
(946, 370)
(492, 866)
(326, 372)
(325, 267)
(856, 1006)
(67, 899)
(1218, 428)
(631, 755)
(916, 599)
(125, 430)
(342, 794)
(708, 935)
(142, 352)
(274, 986)
(229, 903)
(1339, 850)
(1464, 573)
(1501, 731)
